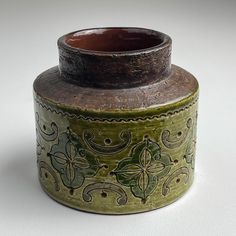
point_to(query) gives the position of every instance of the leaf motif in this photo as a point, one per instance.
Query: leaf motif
(71, 150)
(145, 157)
(154, 149)
(137, 150)
(156, 167)
(80, 162)
(70, 173)
(60, 158)
(131, 169)
(143, 181)
(130, 176)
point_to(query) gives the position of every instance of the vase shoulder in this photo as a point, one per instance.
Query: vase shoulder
(178, 86)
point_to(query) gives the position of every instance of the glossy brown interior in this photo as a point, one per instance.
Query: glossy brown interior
(114, 40)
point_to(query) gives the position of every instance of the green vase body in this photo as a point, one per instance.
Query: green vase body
(115, 122)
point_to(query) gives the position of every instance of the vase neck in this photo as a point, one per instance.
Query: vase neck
(114, 58)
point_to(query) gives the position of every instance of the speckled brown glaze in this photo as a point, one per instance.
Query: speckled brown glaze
(178, 85)
(126, 80)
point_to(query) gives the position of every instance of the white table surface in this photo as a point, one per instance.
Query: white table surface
(204, 42)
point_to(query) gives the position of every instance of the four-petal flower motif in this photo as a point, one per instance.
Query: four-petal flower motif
(143, 169)
(72, 161)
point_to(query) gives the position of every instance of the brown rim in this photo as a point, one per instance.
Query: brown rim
(85, 41)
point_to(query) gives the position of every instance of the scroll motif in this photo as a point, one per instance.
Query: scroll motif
(40, 146)
(143, 169)
(190, 153)
(125, 137)
(175, 174)
(44, 165)
(47, 133)
(191, 146)
(176, 141)
(103, 187)
(72, 161)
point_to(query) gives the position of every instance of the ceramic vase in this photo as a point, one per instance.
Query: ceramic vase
(115, 122)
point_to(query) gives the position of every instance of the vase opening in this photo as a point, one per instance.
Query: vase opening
(114, 57)
(116, 40)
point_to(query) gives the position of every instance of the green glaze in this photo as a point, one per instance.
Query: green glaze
(116, 162)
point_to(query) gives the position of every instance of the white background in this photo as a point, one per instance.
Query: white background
(204, 42)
